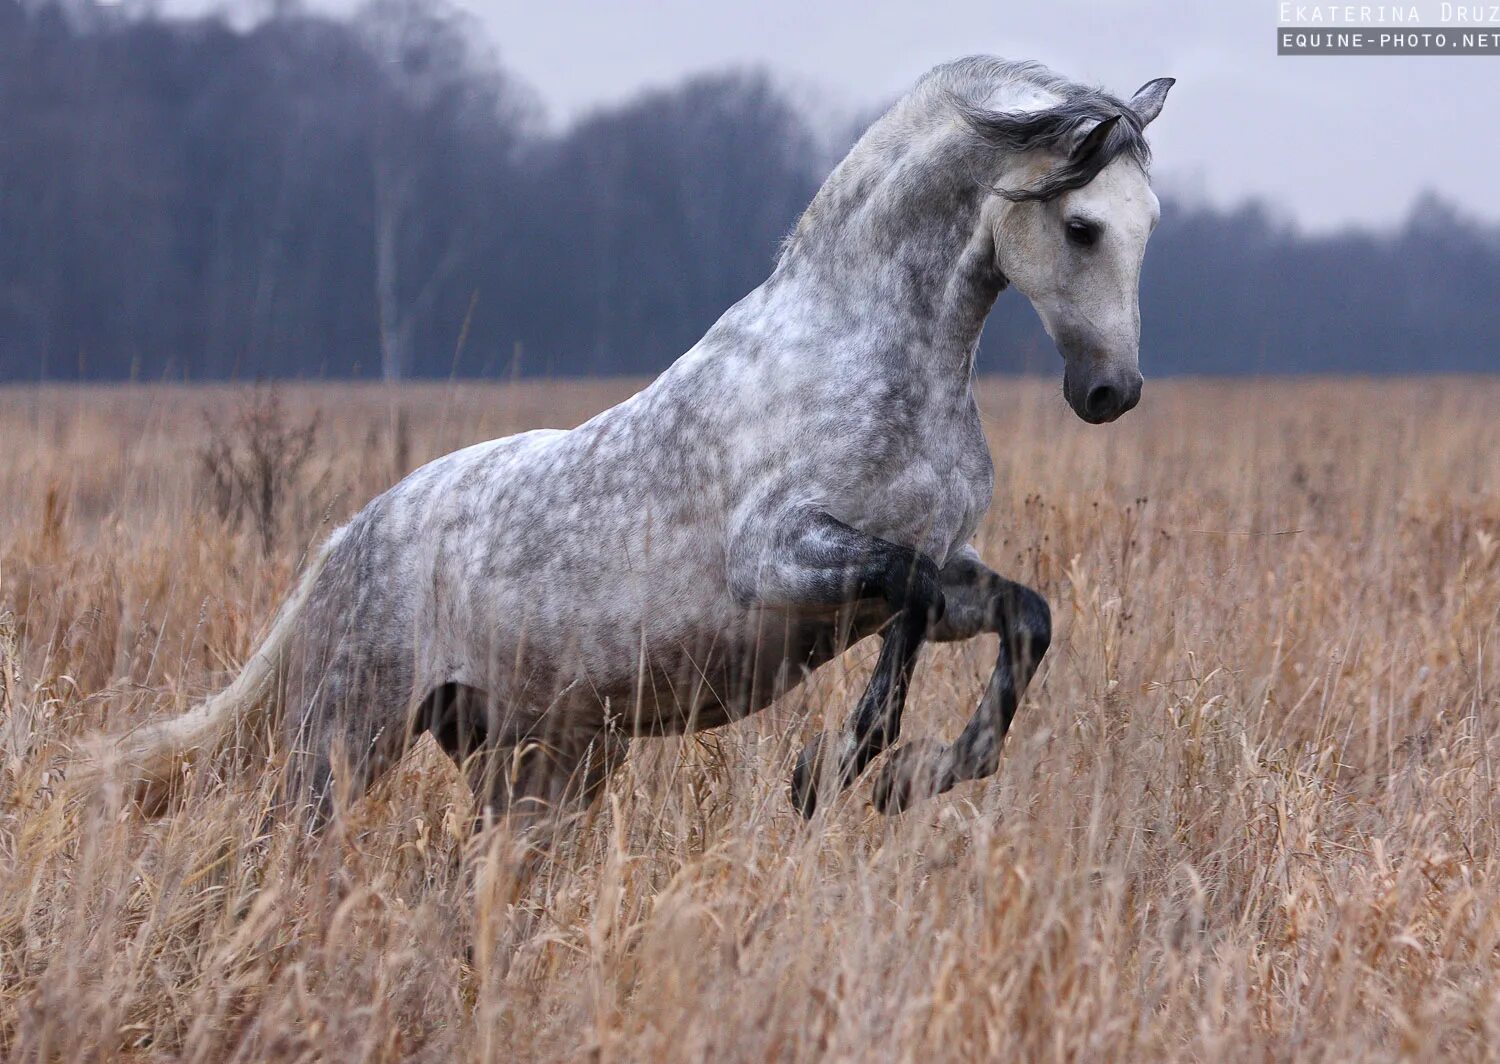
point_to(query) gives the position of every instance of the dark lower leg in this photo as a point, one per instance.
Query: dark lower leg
(876, 721)
(1024, 623)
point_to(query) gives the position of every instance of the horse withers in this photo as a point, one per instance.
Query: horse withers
(811, 472)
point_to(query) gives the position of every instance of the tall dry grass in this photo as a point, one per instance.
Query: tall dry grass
(1248, 812)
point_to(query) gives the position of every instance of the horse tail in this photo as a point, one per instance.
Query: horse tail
(148, 760)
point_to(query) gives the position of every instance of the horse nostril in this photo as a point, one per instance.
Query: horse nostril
(1103, 401)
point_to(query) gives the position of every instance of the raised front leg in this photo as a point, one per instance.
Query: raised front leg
(979, 600)
(807, 559)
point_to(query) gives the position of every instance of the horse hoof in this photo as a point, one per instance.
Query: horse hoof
(807, 775)
(911, 773)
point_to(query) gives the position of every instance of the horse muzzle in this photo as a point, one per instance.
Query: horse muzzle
(1104, 396)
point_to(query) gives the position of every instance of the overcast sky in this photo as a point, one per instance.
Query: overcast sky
(1330, 141)
(1333, 140)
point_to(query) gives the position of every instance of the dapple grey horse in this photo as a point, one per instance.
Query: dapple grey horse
(808, 474)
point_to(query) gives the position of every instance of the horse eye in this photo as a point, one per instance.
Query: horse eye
(1083, 234)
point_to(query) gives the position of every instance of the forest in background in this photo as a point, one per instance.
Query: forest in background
(309, 197)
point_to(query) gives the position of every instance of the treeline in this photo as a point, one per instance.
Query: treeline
(312, 197)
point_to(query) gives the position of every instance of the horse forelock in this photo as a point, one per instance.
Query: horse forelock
(977, 89)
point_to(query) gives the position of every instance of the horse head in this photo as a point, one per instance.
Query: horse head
(1070, 221)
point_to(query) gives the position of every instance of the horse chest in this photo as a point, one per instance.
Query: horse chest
(933, 501)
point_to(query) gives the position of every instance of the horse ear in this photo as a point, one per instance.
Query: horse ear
(1096, 137)
(1149, 97)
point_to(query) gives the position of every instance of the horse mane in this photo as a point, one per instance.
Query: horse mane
(1057, 116)
(969, 82)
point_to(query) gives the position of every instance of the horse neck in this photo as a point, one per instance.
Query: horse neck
(894, 237)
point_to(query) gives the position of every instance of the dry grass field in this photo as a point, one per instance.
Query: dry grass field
(1247, 813)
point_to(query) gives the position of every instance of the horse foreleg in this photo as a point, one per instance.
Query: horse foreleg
(979, 600)
(837, 759)
(805, 559)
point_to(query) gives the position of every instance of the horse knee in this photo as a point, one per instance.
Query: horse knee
(1031, 627)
